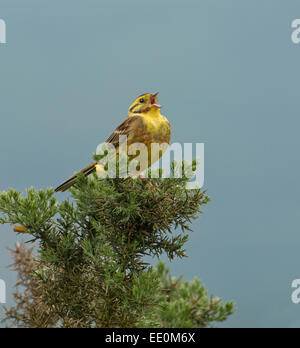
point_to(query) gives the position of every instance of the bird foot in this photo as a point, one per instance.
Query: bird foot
(148, 182)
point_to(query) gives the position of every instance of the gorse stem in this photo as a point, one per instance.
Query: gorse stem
(90, 268)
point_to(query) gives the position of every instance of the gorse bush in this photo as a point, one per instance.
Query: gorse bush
(90, 268)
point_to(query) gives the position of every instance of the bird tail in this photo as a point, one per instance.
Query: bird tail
(64, 186)
(71, 181)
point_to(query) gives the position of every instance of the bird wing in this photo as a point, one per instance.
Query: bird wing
(131, 125)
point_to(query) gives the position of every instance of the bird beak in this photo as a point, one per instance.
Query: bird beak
(154, 100)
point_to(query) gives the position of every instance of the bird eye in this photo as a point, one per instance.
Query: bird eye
(142, 100)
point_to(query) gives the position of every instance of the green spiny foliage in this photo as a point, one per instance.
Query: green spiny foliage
(184, 304)
(90, 270)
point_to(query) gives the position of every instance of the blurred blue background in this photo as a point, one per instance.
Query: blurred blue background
(228, 75)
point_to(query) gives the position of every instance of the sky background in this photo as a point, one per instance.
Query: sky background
(228, 75)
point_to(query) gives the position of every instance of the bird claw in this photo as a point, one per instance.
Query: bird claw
(148, 182)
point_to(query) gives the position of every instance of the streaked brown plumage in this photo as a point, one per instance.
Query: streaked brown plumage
(144, 124)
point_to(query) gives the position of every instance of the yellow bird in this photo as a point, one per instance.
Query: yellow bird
(144, 124)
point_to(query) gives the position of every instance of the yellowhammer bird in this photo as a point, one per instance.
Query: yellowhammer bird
(144, 124)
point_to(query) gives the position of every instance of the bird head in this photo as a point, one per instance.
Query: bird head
(144, 103)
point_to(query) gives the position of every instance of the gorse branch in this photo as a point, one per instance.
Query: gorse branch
(90, 268)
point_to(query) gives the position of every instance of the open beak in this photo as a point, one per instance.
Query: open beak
(154, 100)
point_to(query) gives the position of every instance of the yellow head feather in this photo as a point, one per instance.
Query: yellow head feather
(143, 104)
